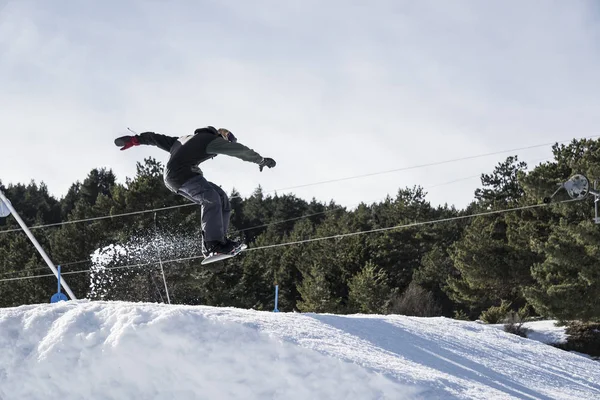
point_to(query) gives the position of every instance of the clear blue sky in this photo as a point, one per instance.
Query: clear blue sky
(329, 89)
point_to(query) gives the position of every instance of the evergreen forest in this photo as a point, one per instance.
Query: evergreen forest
(496, 254)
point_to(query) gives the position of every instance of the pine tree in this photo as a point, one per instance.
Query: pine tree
(568, 281)
(436, 267)
(566, 275)
(491, 267)
(368, 290)
(502, 187)
(492, 262)
(317, 292)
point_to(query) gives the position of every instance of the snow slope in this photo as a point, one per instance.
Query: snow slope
(546, 332)
(114, 350)
(543, 331)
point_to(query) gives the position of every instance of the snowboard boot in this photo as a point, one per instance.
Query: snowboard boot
(218, 247)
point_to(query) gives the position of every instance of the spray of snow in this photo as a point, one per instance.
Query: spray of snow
(112, 263)
(101, 276)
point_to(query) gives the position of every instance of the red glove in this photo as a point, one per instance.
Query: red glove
(127, 142)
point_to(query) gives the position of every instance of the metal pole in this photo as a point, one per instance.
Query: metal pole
(36, 244)
(160, 260)
(595, 193)
(276, 297)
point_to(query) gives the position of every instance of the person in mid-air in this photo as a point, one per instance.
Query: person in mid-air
(183, 176)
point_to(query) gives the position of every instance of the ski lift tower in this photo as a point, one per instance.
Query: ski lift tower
(6, 209)
(578, 188)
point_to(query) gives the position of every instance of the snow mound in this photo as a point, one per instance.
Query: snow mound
(116, 350)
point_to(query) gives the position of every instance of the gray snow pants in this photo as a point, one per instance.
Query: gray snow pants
(216, 209)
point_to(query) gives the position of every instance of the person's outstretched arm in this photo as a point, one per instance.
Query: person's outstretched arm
(238, 150)
(163, 142)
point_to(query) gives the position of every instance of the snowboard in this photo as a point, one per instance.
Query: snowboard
(220, 257)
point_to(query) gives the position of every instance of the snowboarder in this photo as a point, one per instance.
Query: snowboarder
(183, 176)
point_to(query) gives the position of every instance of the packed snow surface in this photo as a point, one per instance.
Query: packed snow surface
(543, 331)
(116, 350)
(546, 332)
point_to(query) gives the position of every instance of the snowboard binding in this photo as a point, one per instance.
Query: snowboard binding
(223, 256)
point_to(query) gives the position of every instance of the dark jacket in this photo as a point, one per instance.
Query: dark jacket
(187, 152)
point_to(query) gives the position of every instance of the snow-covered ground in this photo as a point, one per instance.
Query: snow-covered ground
(543, 331)
(546, 332)
(114, 350)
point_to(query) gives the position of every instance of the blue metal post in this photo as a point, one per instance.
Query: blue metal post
(58, 296)
(276, 297)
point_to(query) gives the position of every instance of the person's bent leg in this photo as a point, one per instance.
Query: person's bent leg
(225, 206)
(201, 192)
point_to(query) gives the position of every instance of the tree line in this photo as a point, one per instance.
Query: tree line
(545, 260)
